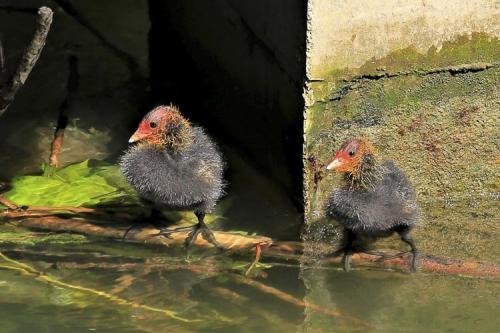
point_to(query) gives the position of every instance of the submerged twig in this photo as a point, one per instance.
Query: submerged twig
(29, 59)
(238, 299)
(210, 270)
(30, 271)
(293, 300)
(258, 254)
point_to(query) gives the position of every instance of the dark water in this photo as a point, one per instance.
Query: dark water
(209, 295)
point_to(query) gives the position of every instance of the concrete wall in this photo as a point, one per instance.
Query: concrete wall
(420, 79)
(237, 67)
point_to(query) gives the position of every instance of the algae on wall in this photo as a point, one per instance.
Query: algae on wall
(428, 99)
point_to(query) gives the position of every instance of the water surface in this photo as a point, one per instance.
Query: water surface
(206, 294)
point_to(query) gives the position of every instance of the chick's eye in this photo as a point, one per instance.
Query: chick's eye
(352, 152)
(152, 124)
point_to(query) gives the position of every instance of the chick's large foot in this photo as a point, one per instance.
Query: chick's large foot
(200, 228)
(166, 232)
(207, 235)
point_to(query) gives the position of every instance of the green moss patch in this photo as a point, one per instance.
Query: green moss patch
(441, 128)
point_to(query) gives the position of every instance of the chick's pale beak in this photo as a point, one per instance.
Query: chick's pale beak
(334, 164)
(135, 137)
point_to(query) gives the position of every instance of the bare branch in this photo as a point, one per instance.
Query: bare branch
(29, 59)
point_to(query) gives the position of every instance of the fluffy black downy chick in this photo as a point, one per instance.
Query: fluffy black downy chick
(375, 200)
(175, 166)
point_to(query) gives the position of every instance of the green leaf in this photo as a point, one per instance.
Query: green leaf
(87, 183)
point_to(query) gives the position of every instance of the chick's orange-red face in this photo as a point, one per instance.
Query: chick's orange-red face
(153, 125)
(348, 156)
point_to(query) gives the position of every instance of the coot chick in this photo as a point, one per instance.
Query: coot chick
(175, 166)
(375, 200)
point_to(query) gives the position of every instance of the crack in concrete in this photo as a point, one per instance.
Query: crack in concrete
(453, 70)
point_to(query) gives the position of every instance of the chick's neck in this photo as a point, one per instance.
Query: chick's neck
(365, 173)
(174, 136)
(177, 135)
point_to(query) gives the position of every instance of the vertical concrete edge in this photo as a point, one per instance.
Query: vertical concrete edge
(308, 101)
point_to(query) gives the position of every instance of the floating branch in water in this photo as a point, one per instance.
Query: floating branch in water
(29, 59)
(427, 264)
(101, 224)
(112, 229)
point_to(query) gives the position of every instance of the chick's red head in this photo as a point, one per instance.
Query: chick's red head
(157, 124)
(349, 156)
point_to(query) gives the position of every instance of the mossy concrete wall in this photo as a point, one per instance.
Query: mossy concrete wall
(420, 80)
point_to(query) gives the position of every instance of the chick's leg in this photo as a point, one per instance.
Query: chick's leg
(348, 250)
(405, 237)
(200, 228)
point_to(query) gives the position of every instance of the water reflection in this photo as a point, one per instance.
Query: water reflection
(210, 294)
(397, 302)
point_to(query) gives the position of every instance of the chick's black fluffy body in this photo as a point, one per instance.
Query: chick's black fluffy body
(387, 204)
(375, 200)
(186, 179)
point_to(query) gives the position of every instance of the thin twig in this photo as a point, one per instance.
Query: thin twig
(228, 295)
(57, 142)
(29, 59)
(258, 253)
(293, 300)
(62, 120)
